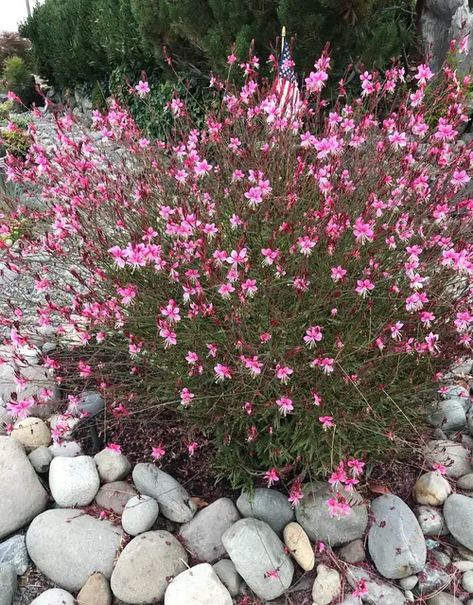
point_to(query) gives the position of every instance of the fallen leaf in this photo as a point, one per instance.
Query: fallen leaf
(199, 502)
(379, 488)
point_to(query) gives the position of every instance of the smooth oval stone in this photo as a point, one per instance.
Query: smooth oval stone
(146, 566)
(298, 543)
(395, 540)
(256, 551)
(458, 514)
(67, 546)
(139, 515)
(313, 514)
(73, 481)
(448, 414)
(267, 505)
(174, 502)
(198, 585)
(379, 593)
(54, 596)
(115, 496)
(454, 456)
(431, 488)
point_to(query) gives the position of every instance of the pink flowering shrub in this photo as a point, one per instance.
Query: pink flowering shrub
(292, 285)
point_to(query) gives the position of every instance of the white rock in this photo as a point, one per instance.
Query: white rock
(112, 466)
(73, 481)
(467, 581)
(463, 565)
(453, 455)
(68, 449)
(409, 582)
(54, 596)
(139, 515)
(198, 585)
(298, 543)
(64, 421)
(22, 496)
(226, 571)
(326, 585)
(432, 489)
(31, 432)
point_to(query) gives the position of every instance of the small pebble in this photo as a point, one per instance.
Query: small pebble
(409, 582)
(467, 581)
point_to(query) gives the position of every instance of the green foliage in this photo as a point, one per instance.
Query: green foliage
(84, 41)
(12, 44)
(5, 109)
(16, 142)
(18, 78)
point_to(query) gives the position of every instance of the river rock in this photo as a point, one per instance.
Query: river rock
(146, 566)
(431, 579)
(54, 596)
(40, 458)
(466, 482)
(90, 403)
(68, 449)
(174, 502)
(13, 552)
(115, 496)
(432, 489)
(22, 496)
(256, 550)
(73, 481)
(467, 581)
(64, 420)
(353, 552)
(395, 540)
(7, 584)
(298, 543)
(453, 455)
(198, 585)
(326, 585)
(68, 545)
(112, 466)
(409, 582)
(230, 578)
(38, 378)
(202, 535)
(268, 505)
(314, 516)
(96, 591)
(458, 513)
(139, 515)
(431, 521)
(31, 432)
(448, 414)
(379, 593)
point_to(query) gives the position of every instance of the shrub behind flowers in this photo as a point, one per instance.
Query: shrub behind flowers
(291, 285)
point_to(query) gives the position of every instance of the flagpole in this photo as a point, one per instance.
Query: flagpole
(283, 36)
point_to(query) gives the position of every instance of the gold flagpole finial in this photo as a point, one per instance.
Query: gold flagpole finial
(283, 35)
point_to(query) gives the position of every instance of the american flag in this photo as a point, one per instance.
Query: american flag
(286, 88)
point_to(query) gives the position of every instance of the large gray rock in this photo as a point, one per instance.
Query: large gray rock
(146, 566)
(198, 585)
(268, 505)
(13, 552)
(139, 515)
(115, 496)
(395, 540)
(22, 496)
(314, 516)
(112, 466)
(458, 514)
(444, 598)
(259, 557)
(90, 403)
(174, 502)
(203, 534)
(453, 455)
(379, 593)
(73, 481)
(68, 545)
(326, 585)
(448, 414)
(7, 584)
(54, 596)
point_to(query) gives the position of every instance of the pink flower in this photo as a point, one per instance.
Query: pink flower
(338, 506)
(283, 373)
(158, 452)
(460, 178)
(356, 466)
(114, 447)
(326, 421)
(285, 405)
(271, 476)
(324, 363)
(363, 231)
(364, 287)
(226, 290)
(142, 88)
(20, 409)
(222, 372)
(361, 589)
(191, 447)
(192, 358)
(312, 336)
(440, 468)
(295, 494)
(186, 397)
(424, 74)
(337, 273)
